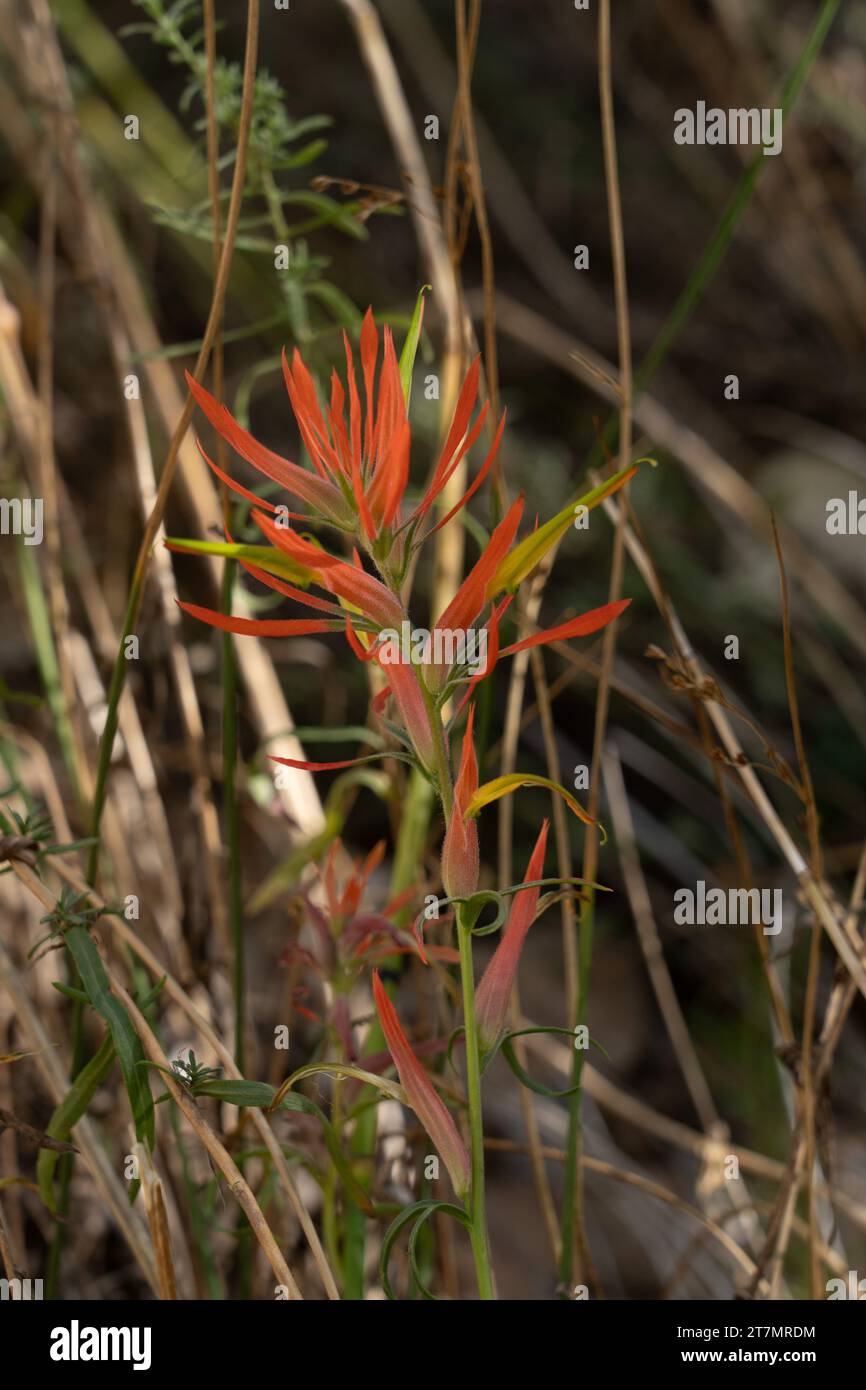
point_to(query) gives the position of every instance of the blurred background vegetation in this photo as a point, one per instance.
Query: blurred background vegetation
(785, 313)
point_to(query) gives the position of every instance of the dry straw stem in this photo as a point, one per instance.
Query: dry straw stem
(26, 416)
(714, 476)
(806, 1089)
(823, 586)
(518, 221)
(259, 672)
(84, 1133)
(650, 942)
(39, 890)
(811, 888)
(157, 1220)
(802, 1161)
(466, 46)
(47, 467)
(664, 1194)
(104, 262)
(191, 716)
(434, 249)
(574, 1229)
(669, 1005)
(181, 998)
(636, 1112)
(529, 606)
(266, 701)
(238, 1185)
(219, 290)
(223, 1160)
(5, 1251)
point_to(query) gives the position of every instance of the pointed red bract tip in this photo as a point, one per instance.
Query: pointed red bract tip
(494, 991)
(421, 1093)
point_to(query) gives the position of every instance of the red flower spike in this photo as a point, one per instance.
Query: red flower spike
(494, 992)
(421, 1093)
(319, 492)
(460, 846)
(389, 484)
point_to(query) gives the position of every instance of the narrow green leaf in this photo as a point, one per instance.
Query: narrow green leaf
(69, 1112)
(419, 1212)
(126, 1041)
(410, 347)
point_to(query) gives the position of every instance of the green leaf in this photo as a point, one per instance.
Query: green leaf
(126, 1041)
(523, 1076)
(70, 847)
(523, 558)
(255, 1093)
(69, 1112)
(263, 1096)
(264, 557)
(418, 1213)
(76, 995)
(342, 1069)
(410, 347)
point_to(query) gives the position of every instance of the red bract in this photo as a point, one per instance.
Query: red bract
(460, 847)
(359, 455)
(361, 464)
(345, 936)
(494, 991)
(421, 1093)
(588, 622)
(299, 482)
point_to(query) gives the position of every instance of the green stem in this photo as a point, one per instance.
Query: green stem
(571, 1167)
(477, 1205)
(230, 820)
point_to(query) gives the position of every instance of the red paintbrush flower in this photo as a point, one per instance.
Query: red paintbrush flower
(361, 465)
(421, 1094)
(494, 991)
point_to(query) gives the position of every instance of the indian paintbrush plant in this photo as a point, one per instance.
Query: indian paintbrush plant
(344, 548)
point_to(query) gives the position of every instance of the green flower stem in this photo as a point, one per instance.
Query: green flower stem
(465, 922)
(571, 1167)
(477, 1207)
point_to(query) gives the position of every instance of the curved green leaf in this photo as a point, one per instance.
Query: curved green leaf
(418, 1211)
(523, 1076)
